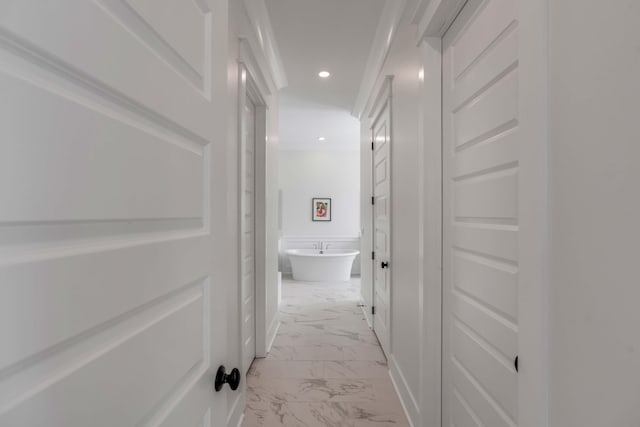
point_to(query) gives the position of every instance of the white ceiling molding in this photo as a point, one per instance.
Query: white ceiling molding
(254, 66)
(259, 17)
(387, 27)
(418, 11)
(436, 16)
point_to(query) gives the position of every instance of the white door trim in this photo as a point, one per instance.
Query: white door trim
(270, 57)
(430, 271)
(253, 85)
(533, 210)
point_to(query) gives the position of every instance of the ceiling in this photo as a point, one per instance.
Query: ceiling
(315, 35)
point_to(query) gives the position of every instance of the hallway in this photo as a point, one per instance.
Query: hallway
(325, 368)
(473, 163)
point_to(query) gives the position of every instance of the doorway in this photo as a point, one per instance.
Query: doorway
(252, 234)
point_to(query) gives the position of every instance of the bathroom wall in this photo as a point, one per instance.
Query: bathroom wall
(304, 175)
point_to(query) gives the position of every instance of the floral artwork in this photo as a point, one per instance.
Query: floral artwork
(321, 209)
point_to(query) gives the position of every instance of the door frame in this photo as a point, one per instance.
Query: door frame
(382, 100)
(252, 85)
(533, 401)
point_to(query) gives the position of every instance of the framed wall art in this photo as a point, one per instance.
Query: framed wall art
(321, 209)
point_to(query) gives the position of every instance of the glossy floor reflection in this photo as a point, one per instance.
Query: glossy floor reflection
(325, 368)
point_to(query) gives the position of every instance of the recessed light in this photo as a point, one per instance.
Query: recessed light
(324, 74)
(322, 138)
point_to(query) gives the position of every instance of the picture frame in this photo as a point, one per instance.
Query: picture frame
(321, 209)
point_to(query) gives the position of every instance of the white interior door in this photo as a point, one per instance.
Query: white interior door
(480, 197)
(107, 274)
(382, 228)
(248, 236)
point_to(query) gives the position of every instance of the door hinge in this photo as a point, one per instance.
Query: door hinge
(373, 255)
(371, 145)
(373, 310)
(373, 200)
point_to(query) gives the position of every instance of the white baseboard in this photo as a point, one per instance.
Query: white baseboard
(407, 399)
(272, 332)
(236, 414)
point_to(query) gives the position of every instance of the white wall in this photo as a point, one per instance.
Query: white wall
(304, 175)
(403, 62)
(594, 298)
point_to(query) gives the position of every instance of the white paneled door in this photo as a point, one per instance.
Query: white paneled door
(382, 227)
(480, 214)
(248, 225)
(108, 279)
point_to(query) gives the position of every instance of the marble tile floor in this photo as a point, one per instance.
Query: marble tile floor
(326, 368)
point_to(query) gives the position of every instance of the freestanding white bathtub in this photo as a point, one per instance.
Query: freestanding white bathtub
(309, 265)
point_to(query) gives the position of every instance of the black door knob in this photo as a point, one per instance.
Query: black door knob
(384, 264)
(222, 378)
